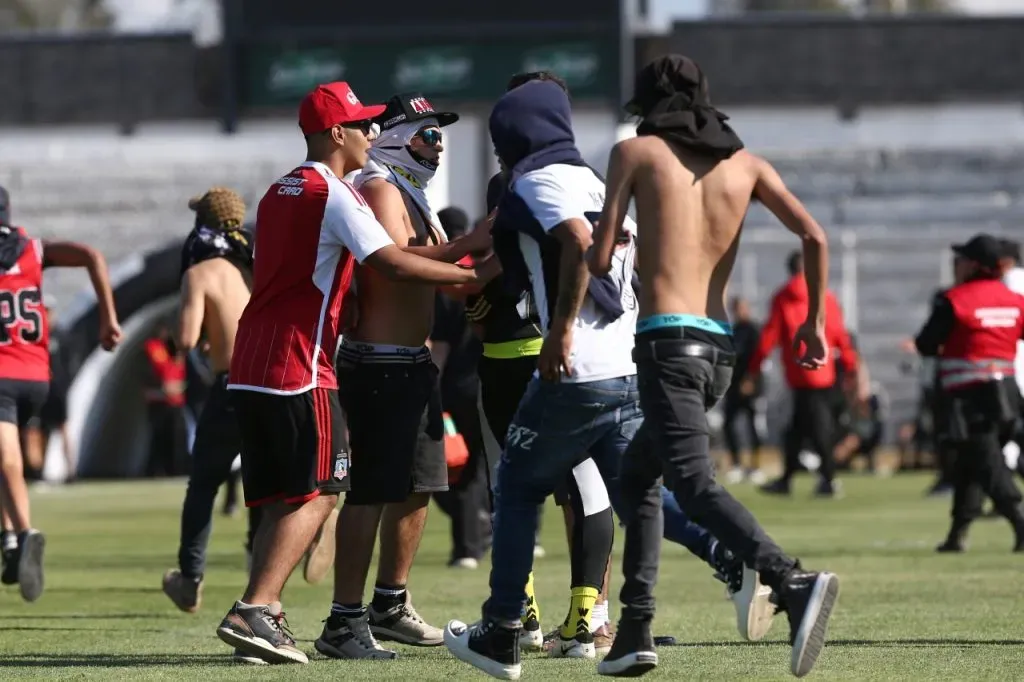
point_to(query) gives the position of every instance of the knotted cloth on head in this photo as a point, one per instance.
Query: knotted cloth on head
(218, 231)
(671, 96)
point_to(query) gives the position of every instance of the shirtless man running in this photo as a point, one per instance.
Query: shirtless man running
(390, 393)
(216, 266)
(693, 182)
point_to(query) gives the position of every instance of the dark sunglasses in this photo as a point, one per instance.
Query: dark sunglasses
(431, 136)
(365, 126)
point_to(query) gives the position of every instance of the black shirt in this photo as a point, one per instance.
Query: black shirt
(451, 327)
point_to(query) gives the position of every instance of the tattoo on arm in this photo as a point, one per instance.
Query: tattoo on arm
(572, 285)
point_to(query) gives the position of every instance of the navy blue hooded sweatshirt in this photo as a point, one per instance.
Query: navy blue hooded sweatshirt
(531, 128)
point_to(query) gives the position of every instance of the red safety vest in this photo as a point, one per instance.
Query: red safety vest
(988, 320)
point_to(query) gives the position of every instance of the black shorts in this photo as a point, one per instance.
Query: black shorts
(21, 400)
(293, 446)
(393, 406)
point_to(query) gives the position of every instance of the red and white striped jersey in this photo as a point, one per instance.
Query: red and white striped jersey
(311, 229)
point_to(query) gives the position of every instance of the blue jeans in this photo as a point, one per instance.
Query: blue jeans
(556, 422)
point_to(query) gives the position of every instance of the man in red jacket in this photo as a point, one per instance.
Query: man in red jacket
(813, 417)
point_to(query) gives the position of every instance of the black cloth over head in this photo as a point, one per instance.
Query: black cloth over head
(671, 96)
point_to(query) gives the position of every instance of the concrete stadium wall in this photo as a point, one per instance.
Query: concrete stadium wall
(127, 195)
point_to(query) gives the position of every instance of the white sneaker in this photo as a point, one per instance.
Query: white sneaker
(754, 609)
(757, 477)
(735, 475)
(580, 646)
(466, 562)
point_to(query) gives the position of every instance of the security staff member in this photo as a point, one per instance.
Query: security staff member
(973, 330)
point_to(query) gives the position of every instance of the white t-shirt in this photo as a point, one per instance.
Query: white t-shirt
(554, 194)
(1014, 281)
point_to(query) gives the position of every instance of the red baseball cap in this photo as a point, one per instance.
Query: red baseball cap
(331, 104)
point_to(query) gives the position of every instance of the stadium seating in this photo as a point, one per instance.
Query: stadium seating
(891, 214)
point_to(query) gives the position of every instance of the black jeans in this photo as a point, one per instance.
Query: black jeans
(740, 411)
(979, 469)
(466, 501)
(218, 442)
(813, 421)
(676, 391)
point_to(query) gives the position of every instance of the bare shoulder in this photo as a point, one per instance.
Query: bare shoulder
(750, 161)
(380, 190)
(635, 148)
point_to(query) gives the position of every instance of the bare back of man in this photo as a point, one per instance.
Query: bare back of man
(690, 214)
(225, 291)
(693, 183)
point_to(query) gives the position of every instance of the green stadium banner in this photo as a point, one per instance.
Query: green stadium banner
(465, 72)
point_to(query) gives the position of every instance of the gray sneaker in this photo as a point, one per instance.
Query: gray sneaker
(402, 624)
(186, 593)
(351, 638)
(30, 564)
(262, 632)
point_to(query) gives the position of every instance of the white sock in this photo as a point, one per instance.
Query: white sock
(598, 616)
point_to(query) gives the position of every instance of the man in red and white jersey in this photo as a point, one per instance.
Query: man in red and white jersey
(312, 228)
(25, 373)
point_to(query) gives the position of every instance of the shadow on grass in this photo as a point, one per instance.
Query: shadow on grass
(112, 660)
(91, 616)
(937, 643)
(43, 628)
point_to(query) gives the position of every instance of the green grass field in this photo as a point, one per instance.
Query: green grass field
(903, 614)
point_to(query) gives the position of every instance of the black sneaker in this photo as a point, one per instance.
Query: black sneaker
(808, 598)
(828, 489)
(31, 544)
(260, 631)
(351, 638)
(487, 646)
(777, 487)
(9, 576)
(632, 654)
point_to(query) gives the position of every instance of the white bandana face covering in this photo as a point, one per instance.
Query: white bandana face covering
(390, 159)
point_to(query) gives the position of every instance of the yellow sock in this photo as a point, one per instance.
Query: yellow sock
(580, 606)
(532, 608)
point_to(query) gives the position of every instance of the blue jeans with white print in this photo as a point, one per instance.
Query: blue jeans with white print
(556, 422)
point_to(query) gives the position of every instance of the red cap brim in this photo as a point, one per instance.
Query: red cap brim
(369, 112)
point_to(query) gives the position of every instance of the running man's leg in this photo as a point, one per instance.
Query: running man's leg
(216, 445)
